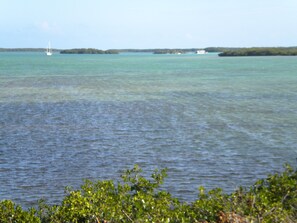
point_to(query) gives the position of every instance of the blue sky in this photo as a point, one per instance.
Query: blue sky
(119, 24)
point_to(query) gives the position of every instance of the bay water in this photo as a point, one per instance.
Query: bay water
(212, 121)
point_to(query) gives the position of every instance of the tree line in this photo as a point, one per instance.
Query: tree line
(88, 51)
(223, 51)
(261, 51)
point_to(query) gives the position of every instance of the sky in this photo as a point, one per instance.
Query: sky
(144, 24)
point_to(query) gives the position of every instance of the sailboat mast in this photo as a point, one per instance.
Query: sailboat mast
(48, 49)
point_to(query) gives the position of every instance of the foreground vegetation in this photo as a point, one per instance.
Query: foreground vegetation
(261, 51)
(138, 199)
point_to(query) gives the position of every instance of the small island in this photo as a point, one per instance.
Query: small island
(260, 51)
(169, 51)
(88, 51)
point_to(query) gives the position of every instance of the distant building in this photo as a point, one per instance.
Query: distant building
(201, 52)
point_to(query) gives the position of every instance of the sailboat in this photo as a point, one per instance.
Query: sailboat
(49, 50)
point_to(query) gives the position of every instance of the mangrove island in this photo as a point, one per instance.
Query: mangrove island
(260, 51)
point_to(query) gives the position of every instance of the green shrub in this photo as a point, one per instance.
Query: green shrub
(12, 213)
(138, 199)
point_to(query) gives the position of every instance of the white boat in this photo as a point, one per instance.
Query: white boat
(201, 52)
(49, 50)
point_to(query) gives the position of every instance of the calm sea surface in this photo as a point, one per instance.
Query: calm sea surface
(215, 122)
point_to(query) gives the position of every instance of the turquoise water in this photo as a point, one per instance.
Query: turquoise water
(216, 122)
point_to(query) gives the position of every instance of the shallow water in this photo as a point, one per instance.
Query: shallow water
(216, 122)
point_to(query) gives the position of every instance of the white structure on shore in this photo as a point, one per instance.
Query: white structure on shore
(201, 52)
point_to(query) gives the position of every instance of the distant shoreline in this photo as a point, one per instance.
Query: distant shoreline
(223, 51)
(99, 51)
(94, 50)
(260, 51)
(26, 50)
